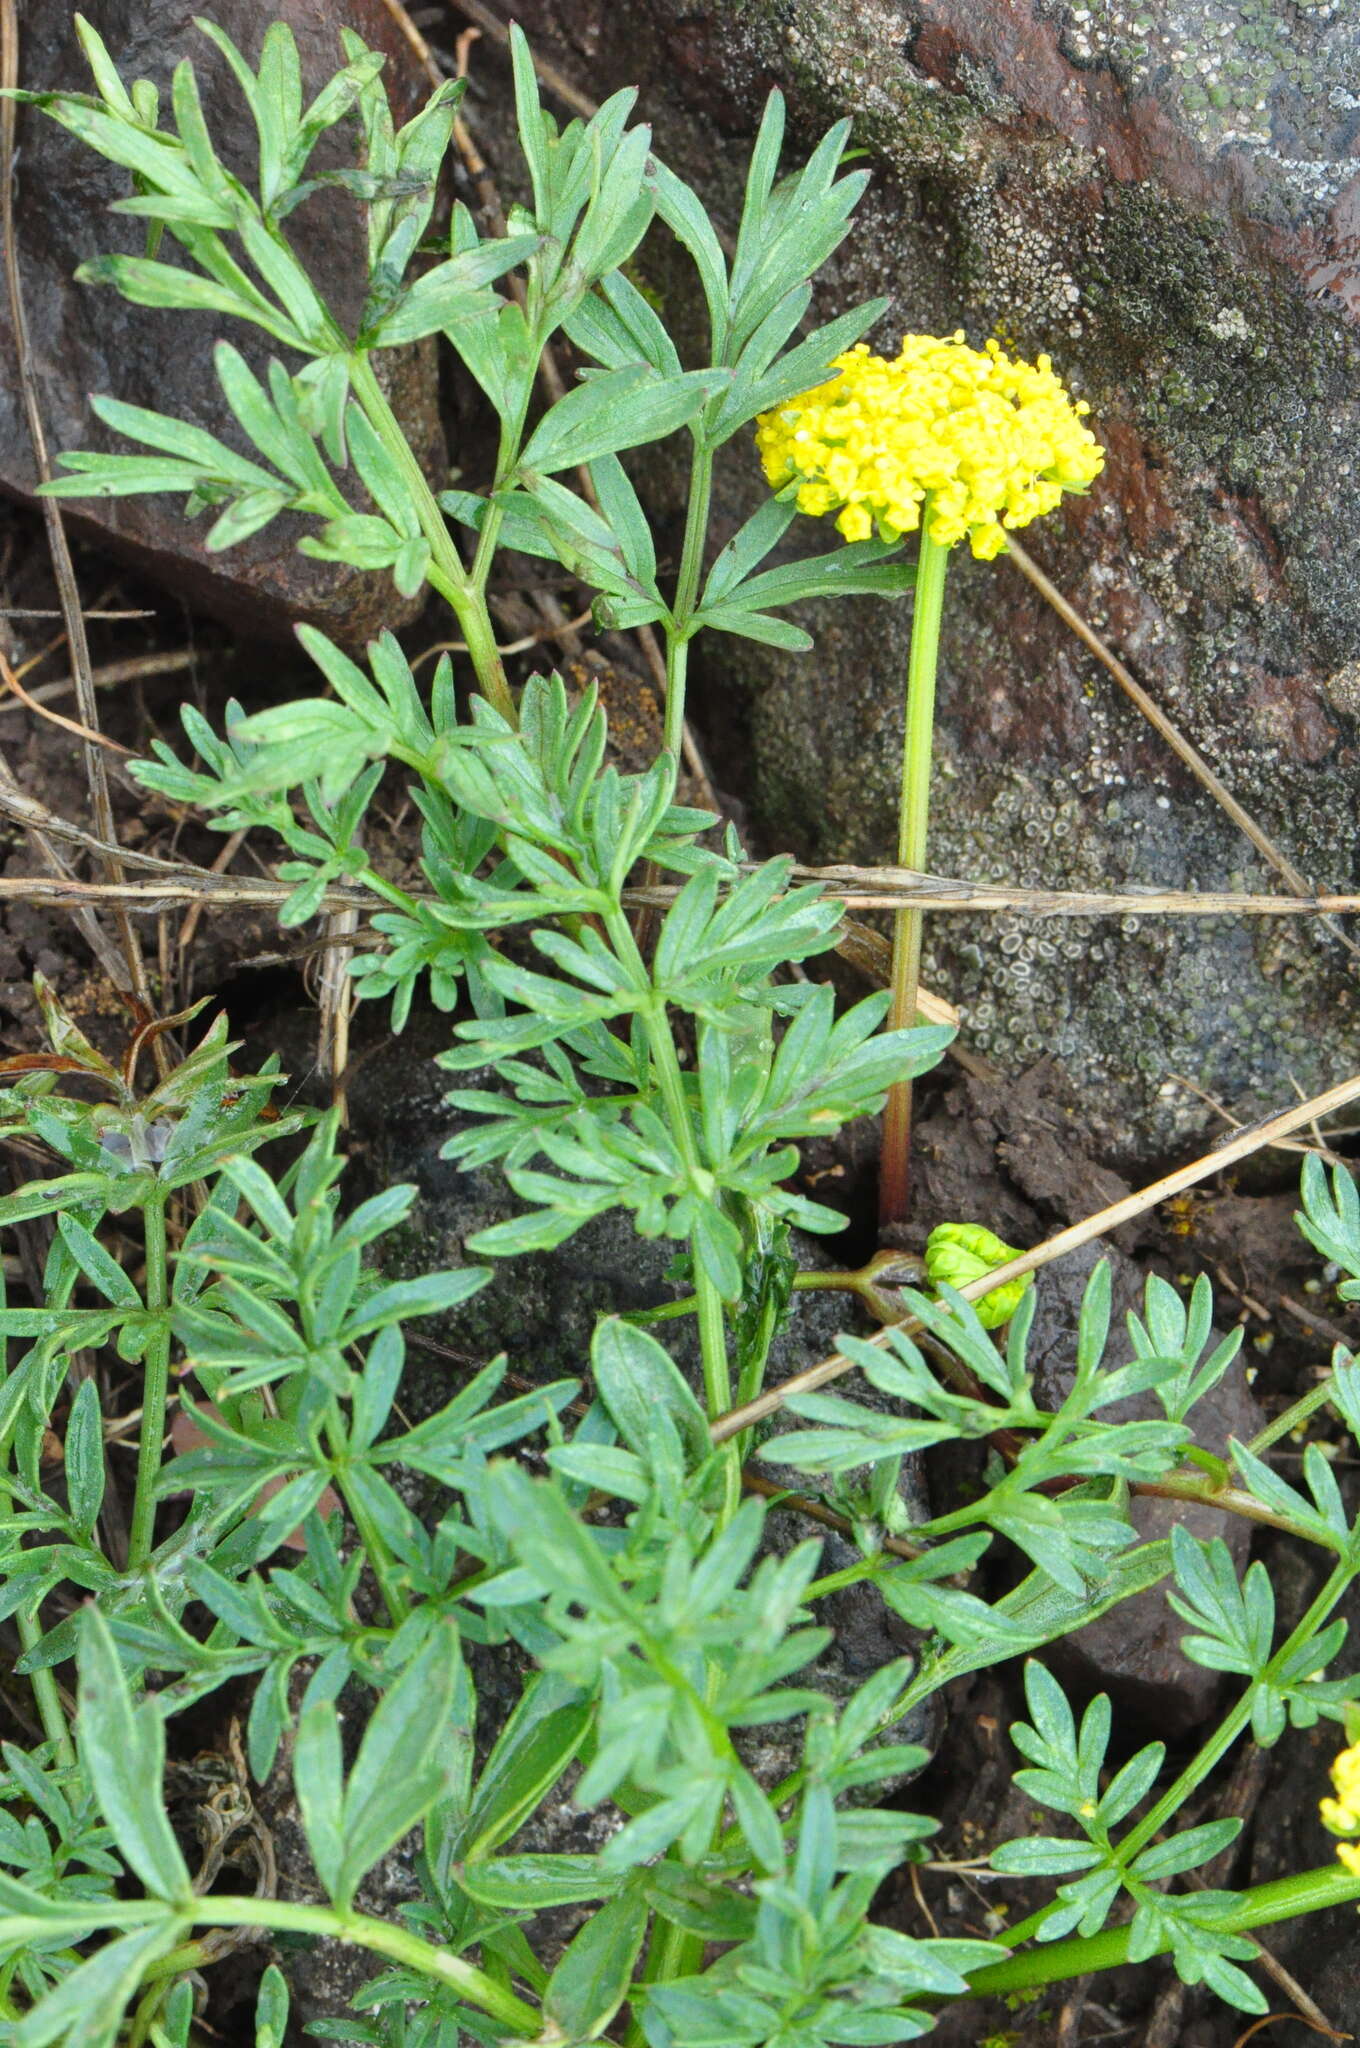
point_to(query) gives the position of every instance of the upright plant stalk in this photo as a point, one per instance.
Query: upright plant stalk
(913, 818)
(46, 1696)
(687, 591)
(466, 595)
(155, 1385)
(712, 1325)
(976, 443)
(712, 1329)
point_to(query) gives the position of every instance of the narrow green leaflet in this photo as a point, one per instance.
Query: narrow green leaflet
(86, 2009)
(398, 1775)
(591, 1981)
(122, 1747)
(616, 409)
(84, 1457)
(443, 298)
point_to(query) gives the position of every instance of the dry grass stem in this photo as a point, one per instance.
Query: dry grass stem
(132, 975)
(182, 882)
(1171, 733)
(82, 732)
(547, 74)
(113, 673)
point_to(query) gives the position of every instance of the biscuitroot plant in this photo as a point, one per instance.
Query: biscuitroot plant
(334, 1573)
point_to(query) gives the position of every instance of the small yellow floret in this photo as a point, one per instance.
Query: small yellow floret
(982, 441)
(1346, 1776)
(1342, 1814)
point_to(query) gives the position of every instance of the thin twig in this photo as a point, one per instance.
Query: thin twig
(181, 882)
(1320, 1325)
(547, 74)
(1235, 1123)
(187, 930)
(1171, 733)
(335, 1003)
(66, 891)
(521, 646)
(114, 672)
(1247, 1142)
(35, 817)
(886, 888)
(82, 732)
(25, 611)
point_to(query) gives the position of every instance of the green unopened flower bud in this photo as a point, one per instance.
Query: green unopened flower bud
(959, 1252)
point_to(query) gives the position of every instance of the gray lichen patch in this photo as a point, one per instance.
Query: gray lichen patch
(1277, 79)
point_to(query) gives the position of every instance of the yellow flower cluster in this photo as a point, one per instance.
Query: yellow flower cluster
(1342, 1814)
(989, 442)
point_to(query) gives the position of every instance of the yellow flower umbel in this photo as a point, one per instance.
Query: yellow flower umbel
(990, 442)
(1342, 1814)
(957, 443)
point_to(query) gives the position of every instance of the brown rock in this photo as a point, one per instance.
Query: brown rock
(85, 340)
(1134, 1651)
(1165, 197)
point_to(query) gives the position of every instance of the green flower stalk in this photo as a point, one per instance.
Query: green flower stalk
(953, 443)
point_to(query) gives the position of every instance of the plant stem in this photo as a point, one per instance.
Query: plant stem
(370, 1535)
(713, 1340)
(155, 1385)
(45, 1693)
(479, 637)
(712, 1328)
(488, 535)
(1290, 1417)
(1286, 1898)
(848, 1575)
(673, 728)
(897, 1269)
(712, 1331)
(447, 574)
(912, 821)
(670, 1081)
(687, 591)
(752, 1377)
(383, 1939)
(1233, 1724)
